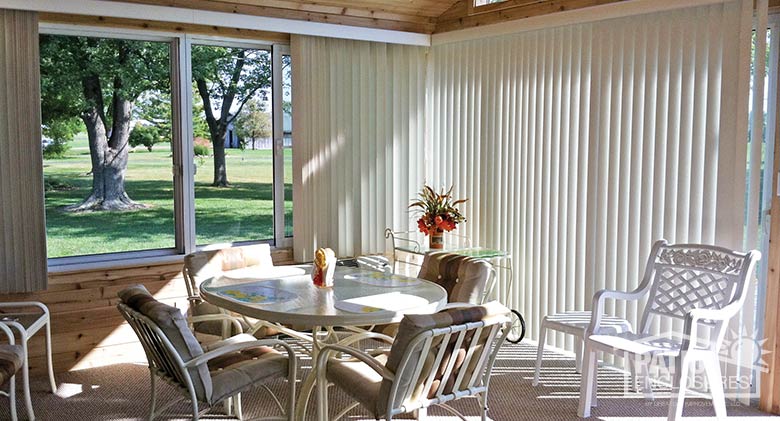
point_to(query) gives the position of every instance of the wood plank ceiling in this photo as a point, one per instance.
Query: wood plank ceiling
(421, 16)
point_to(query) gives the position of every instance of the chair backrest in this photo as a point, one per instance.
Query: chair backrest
(166, 339)
(682, 277)
(465, 278)
(439, 357)
(202, 265)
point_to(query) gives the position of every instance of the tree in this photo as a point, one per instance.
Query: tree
(253, 122)
(226, 79)
(98, 81)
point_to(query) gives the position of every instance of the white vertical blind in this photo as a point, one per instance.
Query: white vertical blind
(23, 238)
(358, 127)
(581, 145)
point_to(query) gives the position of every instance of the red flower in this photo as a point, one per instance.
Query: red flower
(422, 226)
(438, 220)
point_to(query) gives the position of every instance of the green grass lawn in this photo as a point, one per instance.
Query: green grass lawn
(241, 212)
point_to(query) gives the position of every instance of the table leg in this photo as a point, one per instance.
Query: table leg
(307, 385)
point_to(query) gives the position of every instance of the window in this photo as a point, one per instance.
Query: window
(107, 145)
(122, 109)
(478, 3)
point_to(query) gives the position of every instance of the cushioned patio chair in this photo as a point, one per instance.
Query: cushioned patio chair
(435, 359)
(209, 319)
(466, 279)
(209, 376)
(704, 286)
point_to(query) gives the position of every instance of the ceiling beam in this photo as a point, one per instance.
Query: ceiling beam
(114, 9)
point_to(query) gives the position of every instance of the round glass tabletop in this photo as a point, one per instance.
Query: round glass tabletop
(358, 297)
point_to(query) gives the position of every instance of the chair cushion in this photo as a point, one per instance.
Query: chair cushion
(174, 326)
(11, 359)
(413, 325)
(234, 372)
(358, 380)
(464, 278)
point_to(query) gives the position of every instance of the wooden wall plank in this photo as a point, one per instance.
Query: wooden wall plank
(87, 329)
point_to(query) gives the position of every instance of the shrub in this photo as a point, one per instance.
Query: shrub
(202, 146)
(147, 136)
(56, 149)
(201, 150)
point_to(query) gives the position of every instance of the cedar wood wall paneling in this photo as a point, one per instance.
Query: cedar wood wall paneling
(87, 329)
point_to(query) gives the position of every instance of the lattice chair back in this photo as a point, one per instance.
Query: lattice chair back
(441, 357)
(682, 277)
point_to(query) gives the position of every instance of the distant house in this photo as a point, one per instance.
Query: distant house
(231, 138)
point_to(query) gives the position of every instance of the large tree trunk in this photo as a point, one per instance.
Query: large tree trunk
(109, 155)
(220, 171)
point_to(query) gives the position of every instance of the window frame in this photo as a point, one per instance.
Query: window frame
(183, 160)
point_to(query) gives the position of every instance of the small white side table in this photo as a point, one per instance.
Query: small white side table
(28, 324)
(575, 323)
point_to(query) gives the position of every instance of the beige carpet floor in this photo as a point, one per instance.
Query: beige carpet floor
(121, 392)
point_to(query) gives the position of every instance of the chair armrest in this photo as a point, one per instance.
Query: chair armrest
(724, 313)
(368, 359)
(598, 304)
(18, 304)
(218, 317)
(695, 316)
(227, 349)
(366, 335)
(8, 333)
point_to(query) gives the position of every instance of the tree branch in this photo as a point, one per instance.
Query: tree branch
(246, 99)
(203, 90)
(230, 94)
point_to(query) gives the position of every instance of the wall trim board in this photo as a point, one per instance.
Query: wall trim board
(229, 20)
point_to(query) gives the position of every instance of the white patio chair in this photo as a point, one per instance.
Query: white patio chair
(220, 372)
(435, 359)
(705, 286)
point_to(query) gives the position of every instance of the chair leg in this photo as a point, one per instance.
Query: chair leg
(588, 384)
(483, 406)
(632, 368)
(154, 396)
(715, 380)
(421, 414)
(679, 385)
(52, 382)
(195, 412)
(647, 388)
(578, 344)
(12, 397)
(539, 352)
(237, 407)
(26, 379)
(322, 395)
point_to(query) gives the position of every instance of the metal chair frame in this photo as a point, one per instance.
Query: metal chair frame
(478, 384)
(165, 362)
(11, 394)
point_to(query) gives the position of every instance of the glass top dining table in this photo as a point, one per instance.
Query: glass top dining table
(359, 297)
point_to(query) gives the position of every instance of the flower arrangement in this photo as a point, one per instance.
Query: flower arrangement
(437, 211)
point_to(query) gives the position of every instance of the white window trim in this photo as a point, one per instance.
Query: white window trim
(183, 163)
